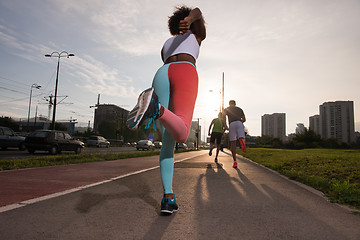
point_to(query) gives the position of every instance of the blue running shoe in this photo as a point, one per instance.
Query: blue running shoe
(153, 111)
(168, 206)
(147, 107)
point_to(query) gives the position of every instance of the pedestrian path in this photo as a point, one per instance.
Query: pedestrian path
(215, 201)
(26, 186)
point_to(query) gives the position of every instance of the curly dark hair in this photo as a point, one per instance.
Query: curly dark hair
(180, 13)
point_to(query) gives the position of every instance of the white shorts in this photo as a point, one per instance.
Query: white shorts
(236, 131)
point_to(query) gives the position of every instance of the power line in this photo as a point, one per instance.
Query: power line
(21, 99)
(12, 90)
(24, 86)
(13, 85)
(12, 80)
(15, 100)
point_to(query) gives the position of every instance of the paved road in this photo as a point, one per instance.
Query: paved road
(215, 201)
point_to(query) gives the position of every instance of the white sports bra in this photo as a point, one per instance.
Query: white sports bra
(182, 43)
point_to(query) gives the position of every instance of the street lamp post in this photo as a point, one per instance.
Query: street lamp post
(32, 86)
(58, 55)
(222, 94)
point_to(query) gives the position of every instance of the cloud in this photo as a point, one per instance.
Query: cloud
(24, 49)
(119, 25)
(273, 53)
(95, 76)
(92, 74)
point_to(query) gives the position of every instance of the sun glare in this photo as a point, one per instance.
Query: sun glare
(208, 104)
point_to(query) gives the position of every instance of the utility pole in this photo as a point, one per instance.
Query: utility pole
(35, 117)
(95, 106)
(198, 137)
(222, 94)
(49, 106)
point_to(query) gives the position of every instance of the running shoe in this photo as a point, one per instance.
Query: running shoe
(147, 107)
(235, 165)
(210, 151)
(216, 160)
(242, 144)
(153, 111)
(168, 206)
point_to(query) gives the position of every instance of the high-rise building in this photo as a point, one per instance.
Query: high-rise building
(109, 112)
(337, 121)
(274, 125)
(314, 124)
(195, 128)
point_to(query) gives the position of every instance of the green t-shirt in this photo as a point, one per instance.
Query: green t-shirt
(218, 125)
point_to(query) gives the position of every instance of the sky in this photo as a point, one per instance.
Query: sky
(277, 56)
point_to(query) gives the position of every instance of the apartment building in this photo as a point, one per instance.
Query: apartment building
(314, 123)
(109, 112)
(337, 121)
(274, 125)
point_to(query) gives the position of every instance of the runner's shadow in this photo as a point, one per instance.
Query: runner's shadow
(136, 188)
(133, 187)
(159, 227)
(223, 195)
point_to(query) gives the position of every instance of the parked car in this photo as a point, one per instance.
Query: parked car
(191, 145)
(130, 144)
(97, 141)
(53, 141)
(145, 145)
(8, 138)
(158, 144)
(182, 146)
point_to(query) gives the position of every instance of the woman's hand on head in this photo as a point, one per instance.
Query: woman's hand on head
(184, 25)
(197, 24)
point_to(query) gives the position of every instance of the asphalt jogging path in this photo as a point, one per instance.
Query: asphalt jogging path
(215, 201)
(25, 186)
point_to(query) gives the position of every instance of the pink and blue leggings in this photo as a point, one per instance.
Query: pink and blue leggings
(176, 85)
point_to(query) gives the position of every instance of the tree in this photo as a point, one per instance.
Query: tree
(268, 141)
(9, 122)
(111, 129)
(306, 139)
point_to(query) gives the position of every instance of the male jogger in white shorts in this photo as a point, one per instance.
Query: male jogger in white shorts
(236, 119)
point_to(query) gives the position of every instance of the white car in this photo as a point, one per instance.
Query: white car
(158, 144)
(97, 141)
(145, 145)
(182, 146)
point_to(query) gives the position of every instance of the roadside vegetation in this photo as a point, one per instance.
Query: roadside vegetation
(65, 159)
(306, 139)
(335, 172)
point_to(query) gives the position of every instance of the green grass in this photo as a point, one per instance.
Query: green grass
(335, 172)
